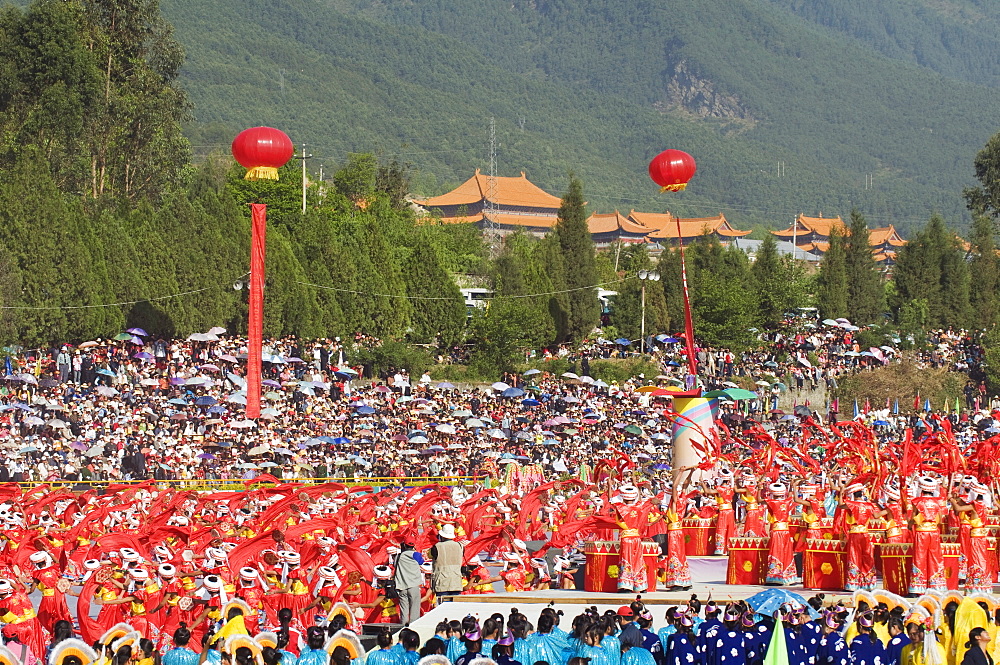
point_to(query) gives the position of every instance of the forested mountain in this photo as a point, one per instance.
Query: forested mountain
(834, 91)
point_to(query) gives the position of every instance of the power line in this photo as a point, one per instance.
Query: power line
(406, 297)
(119, 304)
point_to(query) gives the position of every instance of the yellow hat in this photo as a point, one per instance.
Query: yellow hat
(71, 647)
(348, 640)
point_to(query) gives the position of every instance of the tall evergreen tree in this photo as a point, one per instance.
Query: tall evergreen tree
(437, 305)
(832, 292)
(577, 248)
(984, 272)
(777, 282)
(521, 269)
(865, 293)
(932, 267)
(985, 199)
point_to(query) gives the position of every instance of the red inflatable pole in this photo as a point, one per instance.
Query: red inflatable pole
(255, 328)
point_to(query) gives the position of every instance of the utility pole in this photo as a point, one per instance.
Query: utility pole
(304, 157)
(645, 276)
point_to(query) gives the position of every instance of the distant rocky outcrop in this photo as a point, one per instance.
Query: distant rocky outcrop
(688, 91)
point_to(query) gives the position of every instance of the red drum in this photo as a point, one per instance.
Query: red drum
(699, 536)
(950, 552)
(897, 560)
(603, 556)
(824, 565)
(747, 560)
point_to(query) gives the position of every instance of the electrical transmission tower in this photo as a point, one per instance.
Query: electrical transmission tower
(491, 227)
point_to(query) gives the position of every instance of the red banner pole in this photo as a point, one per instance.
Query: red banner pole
(255, 328)
(688, 323)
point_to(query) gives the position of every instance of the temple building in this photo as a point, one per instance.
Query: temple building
(516, 203)
(812, 234)
(512, 203)
(664, 231)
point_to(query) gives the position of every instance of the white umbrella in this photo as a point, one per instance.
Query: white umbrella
(569, 375)
(500, 385)
(216, 331)
(55, 422)
(106, 391)
(445, 429)
(474, 422)
(149, 382)
(242, 424)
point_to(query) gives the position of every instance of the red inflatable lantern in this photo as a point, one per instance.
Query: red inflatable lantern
(672, 169)
(262, 151)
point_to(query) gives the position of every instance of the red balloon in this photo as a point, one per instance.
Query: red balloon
(262, 151)
(672, 169)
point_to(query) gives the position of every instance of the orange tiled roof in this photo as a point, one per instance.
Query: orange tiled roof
(665, 225)
(608, 222)
(468, 219)
(887, 234)
(509, 191)
(818, 225)
(538, 221)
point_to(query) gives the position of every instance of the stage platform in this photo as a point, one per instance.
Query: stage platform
(721, 593)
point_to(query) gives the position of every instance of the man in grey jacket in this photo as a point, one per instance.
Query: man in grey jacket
(407, 577)
(446, 580)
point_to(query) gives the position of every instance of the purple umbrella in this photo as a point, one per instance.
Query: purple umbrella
(269, 382)
(176, 381)
(79, 445)
(143, 355)
(138, 331)
(138, 341)
(206, 456)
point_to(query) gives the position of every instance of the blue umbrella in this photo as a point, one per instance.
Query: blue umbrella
(881, 423)
(532, 372)
(365, 410)
(217, 409)
(444, 385)
(105, 372)
(178, 401)
(621, 341)
(530, 402)
(769, 601)
(513, 392)
(205, 400)
(343, 376)
(324, 439)
(138, 331)
(341, 440)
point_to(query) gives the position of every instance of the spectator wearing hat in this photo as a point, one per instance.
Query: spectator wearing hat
(447, 556)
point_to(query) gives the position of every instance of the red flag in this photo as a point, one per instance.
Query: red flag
(868, 406)
(916, 401)
(688, 323)
(255, 329)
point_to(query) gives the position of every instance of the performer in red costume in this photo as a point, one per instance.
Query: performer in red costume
(973, 512)
(678, 573)
(46, 578)
(781, 553)
(853, 517)
(894, 515)
(929, 511)
(725, 523)
(753, 522)
(252, 591)
(632, 518)
(19, 619)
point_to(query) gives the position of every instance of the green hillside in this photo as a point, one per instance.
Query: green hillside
(598, 88)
